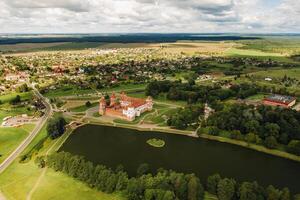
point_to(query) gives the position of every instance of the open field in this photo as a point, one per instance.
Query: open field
(279, 73)
(10, 138)
(281, 45)
(19, 179)
(248, 52)
(28, 46)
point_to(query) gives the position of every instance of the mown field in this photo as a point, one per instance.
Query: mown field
(10, 138)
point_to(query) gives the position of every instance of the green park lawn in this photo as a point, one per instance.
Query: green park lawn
(83, 108)
(10, 138)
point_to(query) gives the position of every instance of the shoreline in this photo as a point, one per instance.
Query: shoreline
(244, 144)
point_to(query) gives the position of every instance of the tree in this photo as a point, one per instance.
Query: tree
(285, 194)
(56, 127)
(247, 191)
(251, 138)
(235, 134)
(88, 104)
(195, 189)
(23, 88)
(213, 131)
(294, 147)
(226, 189)
(142, 169)
(15, 100)
(272, 129)
(271, 142)
(212, 183)
(273, 193)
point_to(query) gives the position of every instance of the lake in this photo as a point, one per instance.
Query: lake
(112, 146)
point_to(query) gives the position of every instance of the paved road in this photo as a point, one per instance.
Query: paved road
(31, 136)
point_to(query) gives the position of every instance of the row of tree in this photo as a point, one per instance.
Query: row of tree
(164, 185)
(227, 189)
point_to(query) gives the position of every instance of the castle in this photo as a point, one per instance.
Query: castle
(125, 107)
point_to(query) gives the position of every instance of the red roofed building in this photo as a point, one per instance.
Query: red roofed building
(125, 107)
(280, 100)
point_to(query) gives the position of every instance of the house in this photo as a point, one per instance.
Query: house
(125, 107)
(280, 100)
(20, 77)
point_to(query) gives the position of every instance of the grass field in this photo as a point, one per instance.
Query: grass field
(83, 107)
(19, 179)
(282, 45)
(10, 138)
(249, 52)
(24, 96)
(279, 73)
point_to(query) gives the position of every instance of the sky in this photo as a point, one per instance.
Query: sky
(157, 16)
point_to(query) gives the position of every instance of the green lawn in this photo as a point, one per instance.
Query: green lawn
(24, 96)
(10, 138)
(57, 186)
(257, 97)
(67, 91)
(83, 108)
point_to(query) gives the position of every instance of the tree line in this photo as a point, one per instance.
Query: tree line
(164, 185)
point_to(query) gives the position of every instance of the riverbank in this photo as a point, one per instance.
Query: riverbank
(244, 144)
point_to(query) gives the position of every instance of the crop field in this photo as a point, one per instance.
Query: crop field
(281, 45)
(25, 47)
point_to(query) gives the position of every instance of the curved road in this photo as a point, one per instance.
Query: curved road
(32, 135)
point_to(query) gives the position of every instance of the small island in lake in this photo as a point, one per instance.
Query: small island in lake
(156, 142)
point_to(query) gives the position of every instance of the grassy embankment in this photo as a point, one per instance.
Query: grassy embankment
(19, 178)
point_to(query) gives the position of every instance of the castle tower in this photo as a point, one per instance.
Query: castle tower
(149, 102)
(102, 106)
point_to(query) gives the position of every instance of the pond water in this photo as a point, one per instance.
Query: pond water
(112, 146)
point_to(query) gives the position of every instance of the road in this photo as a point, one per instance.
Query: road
(32, 135)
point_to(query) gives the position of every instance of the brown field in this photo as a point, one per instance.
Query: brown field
(28, 46)
(201, 48)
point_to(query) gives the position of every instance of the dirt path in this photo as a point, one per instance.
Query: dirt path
(37, 183)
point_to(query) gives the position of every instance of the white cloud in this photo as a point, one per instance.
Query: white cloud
(148, 16)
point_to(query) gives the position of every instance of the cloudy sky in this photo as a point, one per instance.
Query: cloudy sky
(108, 16)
